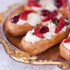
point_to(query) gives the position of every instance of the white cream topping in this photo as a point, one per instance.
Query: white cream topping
(21, 22)
(51, 32)
(59, 15)
(31, 38)
(46, 23)
(67, 45)
(37, 8)
(34, 19)
(48, 4)
(64, 29)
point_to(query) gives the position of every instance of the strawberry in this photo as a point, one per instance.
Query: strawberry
(64, 3)
(33, 3)
(24, 14)
(67, 40)
(50, 16)
(38, 33)
(60, 25)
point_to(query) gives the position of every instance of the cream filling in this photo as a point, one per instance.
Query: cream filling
(48, 4)
(33, 38)
(67, 45)
(21, 22)
(34, 19)
(37, 8)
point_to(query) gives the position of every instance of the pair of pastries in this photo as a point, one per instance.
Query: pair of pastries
(18, 20)
(43, 22)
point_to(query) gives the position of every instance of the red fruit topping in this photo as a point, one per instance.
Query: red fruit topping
(50, 16)
(33, 3)
(24, 14)
(44, 29)
(45, 12)
(54, 19)
(64, 3)
(58, 3)
(15, 19)
(67, 40)
(60, 25)
(38, 33)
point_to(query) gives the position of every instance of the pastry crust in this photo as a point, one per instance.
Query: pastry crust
(42, 45)
(64, 12)
(65, 53)
(14, 29)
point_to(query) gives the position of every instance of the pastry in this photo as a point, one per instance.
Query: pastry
(65, 48)
(17, 23)
(42, 38)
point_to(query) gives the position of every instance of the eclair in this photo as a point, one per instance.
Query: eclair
(65, 48)
(42, 38)
(19, 23)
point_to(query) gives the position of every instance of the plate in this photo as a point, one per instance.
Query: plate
(12, 47)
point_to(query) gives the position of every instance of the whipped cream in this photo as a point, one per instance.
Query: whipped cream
(59, 16)
(48, 4)
(51, 32)
(34, 19)
(37, 8)
(21, 22)
(64, 29)
(67, 45)
(31, 38)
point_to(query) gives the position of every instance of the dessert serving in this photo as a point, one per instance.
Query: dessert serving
(38, 40)
(35, 31)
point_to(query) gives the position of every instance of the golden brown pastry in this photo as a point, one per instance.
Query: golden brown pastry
(16, 22)
(42, 38)
(65, 48)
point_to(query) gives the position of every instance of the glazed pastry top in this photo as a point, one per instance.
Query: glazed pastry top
(66, 42)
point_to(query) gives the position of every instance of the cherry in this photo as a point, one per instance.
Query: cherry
(44, 29)
(38, 33)
(58, 3)
(15, 19)
(44, 12)
(50, 16)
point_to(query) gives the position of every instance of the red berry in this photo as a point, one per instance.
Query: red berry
(24, 14)
(67, 40)
(54, 19)
(58, 3)
(45, 12)
(50, 16)
(38, 33)
(44, 29)
(15, 19)
(33, 3)
(64, 3)
(60, 26)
